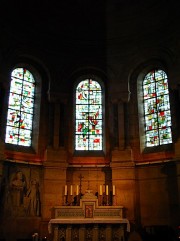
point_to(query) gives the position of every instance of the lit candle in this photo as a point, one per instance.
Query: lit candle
(114, 190)
(65, 190)
(107, 190)
(77, 190)
(71, 190)
(100, 191)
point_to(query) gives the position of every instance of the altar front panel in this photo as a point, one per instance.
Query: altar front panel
(89, 232)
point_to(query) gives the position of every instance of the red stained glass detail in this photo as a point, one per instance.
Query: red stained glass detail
(162, 113)
(96, 141)
(80, 126)
(80, 97)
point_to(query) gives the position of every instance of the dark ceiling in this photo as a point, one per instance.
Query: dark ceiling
(87, 23)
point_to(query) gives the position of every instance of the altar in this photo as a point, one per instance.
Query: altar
(88, 222)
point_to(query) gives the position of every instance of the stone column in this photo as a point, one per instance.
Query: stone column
(118, 125)
(2, 149)
(178, 175)
(2, 158)
(177, 143)
(121, 126)
(56, 126)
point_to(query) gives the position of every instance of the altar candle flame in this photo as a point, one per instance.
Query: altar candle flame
(107, 190)
(114, 190)
(71, 190)
(77, 190)
(65, 190)
(100, 191)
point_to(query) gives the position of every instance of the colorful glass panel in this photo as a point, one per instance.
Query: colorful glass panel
(157, 109)
(20, 108)
(88, 134)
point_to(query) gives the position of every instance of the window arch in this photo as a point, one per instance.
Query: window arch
(157, 113)
(88, 116)
(20, 114)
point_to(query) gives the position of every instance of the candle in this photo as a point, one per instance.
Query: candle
(107, 190)
(71, 191)
(77, 190)
(114, 190)
(100, 191)
(65, 190)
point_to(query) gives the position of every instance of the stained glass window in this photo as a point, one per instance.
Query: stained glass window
(88, 132)
(157, 109)
(20, 108)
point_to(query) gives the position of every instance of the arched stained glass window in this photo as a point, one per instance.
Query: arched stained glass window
(88, 133)
(157, 112)
(20, 108)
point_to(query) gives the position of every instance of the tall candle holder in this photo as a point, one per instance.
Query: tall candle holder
(107, 200)
(65, 200)
(71, 195)
(114, 200)
(65, 195)
(100, 199)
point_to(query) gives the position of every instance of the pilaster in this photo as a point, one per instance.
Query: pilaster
(108, 232)
(95, 232)
(69, 233)
(82, 232)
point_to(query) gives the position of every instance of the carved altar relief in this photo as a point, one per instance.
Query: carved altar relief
(88, 211)
(18, 187)
(21, 198)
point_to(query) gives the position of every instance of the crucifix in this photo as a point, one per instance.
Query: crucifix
(80, 183)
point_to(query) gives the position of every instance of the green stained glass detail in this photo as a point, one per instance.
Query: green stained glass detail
(157, 112)
(88, 134)
(20, 108)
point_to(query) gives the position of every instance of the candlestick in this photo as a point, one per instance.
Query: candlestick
(100, 191)
(71, 190)
(107, 190)
(114, 190)
(65, 190)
